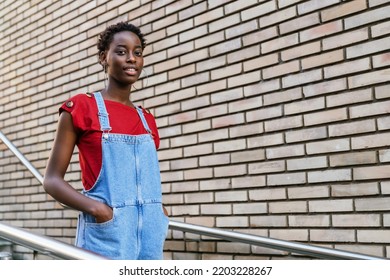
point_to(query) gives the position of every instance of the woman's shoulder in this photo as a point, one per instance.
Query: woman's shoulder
(78, 101)
(82, 97)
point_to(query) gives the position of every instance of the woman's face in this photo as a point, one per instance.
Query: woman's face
(124, 60)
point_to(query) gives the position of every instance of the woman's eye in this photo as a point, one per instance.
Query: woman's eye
(138, 53)
(121, 52)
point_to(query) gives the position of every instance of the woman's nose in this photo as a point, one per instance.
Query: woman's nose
(130, 57)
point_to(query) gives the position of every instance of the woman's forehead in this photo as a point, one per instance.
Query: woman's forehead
(125, 38)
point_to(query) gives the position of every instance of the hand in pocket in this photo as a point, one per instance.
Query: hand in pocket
(104, 214)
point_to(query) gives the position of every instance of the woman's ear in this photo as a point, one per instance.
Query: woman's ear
(102, 59)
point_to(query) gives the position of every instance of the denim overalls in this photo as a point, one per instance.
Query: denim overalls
(129, 182)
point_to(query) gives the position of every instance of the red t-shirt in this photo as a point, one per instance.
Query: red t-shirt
(123, 120)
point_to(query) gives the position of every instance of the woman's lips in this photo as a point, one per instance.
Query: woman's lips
(130, 70)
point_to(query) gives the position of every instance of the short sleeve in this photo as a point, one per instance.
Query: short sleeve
(79, 106)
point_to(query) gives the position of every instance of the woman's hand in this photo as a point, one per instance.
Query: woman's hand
(58, 162)
(104, 213)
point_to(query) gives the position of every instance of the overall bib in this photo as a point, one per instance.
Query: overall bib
(129, 182)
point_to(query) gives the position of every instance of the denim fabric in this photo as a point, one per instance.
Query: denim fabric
(129, 182)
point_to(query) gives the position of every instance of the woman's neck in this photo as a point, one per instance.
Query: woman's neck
(121, 95)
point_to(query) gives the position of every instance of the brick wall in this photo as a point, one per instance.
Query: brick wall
(273, 115)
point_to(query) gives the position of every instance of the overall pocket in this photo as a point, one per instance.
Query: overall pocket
(102, 238)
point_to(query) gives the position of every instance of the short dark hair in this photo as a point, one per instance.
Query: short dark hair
(105, 38)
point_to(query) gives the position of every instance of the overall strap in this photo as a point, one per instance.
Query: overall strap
(102, 112)
(144, 122)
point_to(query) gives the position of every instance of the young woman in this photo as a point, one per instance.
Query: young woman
(121, 216)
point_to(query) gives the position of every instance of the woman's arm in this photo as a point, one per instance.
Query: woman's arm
(58, 162)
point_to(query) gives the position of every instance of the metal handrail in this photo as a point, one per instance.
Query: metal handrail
(300, 248)
(46, 245)
(21, 157)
